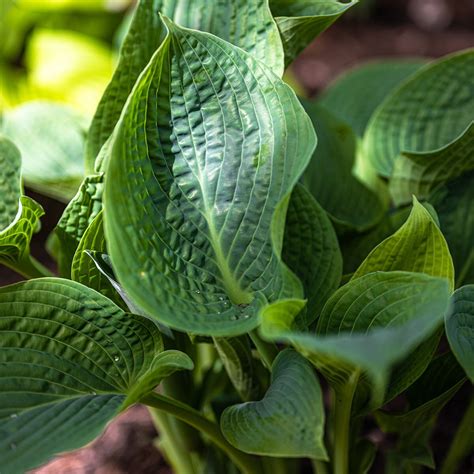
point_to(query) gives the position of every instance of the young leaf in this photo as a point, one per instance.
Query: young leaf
(288, 421)
(425, 113)
(300, 21)
(70, 360)
(77, 216)
(419, 173)
(427, 397)
(418, 246)
(367, 325)
(347, 96)
(454, 203)
(236, 355)
(244, 23)
(207, 180)
(460, 328)
(330, 178)
(311, 250)
(51, 140)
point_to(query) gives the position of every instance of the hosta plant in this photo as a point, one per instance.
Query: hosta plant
(266, 273)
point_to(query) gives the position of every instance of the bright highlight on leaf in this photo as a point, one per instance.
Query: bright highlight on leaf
(82, 360)
(224, 142)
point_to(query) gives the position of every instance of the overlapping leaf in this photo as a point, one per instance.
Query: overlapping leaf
(51, 141)
(347, 96)
(419, 173)
(10, 182)
(425, 113)
(418, 246)
(311, 250)
(70, 360)
(300, 21)
(330, 177)
(203, 162)
(288, 421)
(460, 328)
(245, 23)
(366, 327)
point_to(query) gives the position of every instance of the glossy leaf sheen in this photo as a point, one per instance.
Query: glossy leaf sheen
(244, 23)
(460, 328)
(368, 324)
(70, 360)
(425, 113)
(311, 250)
(204, 158)
(289, 421)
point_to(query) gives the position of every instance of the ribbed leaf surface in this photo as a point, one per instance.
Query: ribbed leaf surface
(210, 145)
(10, 182)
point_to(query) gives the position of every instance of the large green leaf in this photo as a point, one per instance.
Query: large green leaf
(288, 421)
(418, 246)
(347, 96)
(10, 182)
(311, 250)
(419, 173)
(203, 163)
(426, 397)
(70, 360)
(460, 328)
(330, 177)
(367, 326)
(245, 23)
(454, 203)
(300, 21)
(425, 113)
(76, 218)
(51, 139)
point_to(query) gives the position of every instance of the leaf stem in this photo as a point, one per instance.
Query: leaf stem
(29, 267)
(319, 467)
(247, 463)
(462, 443)
(268, 351)
(342, 422)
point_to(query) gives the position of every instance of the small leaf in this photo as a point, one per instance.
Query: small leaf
(77, 216)
(288, 421)
(236, 355)
(70, 360)
(208, 188)
(427, 397)
(329, 175)
(454, 203)
(418, 246)
(311, 250)
(368, 324)
(460, 328)
(51, 139)
(347, 96)
(425, 113)
(419, 173)
(300, 21)
(244, 23)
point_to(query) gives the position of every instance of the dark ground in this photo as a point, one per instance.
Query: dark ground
(429, 28)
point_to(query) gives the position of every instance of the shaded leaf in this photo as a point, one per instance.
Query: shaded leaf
(419, 173)
(70, 360)
(208, 187)
(367, 325)
(428, 111)
(245, 23)
(311, 250)
(50, 138)
(288, 421)
(460, 328)
(347, 96)
(330, 178)
(418, 246)
(300, 21)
